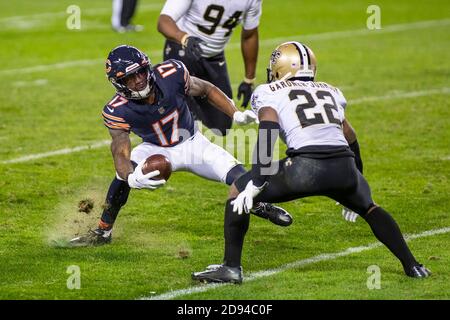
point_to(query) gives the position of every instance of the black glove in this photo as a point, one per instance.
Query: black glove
(245, 90)
(192, 48)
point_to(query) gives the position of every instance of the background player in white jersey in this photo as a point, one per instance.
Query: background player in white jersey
(311, 118)
(197, 32)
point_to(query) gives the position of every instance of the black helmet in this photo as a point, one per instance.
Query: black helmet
(124, 61)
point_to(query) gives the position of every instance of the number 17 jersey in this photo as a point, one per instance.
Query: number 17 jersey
(165, 123)
(310, 113)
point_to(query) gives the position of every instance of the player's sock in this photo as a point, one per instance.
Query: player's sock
(115, 199)
(235, 228)
(388, 232)
(354, 146)
(234, 173)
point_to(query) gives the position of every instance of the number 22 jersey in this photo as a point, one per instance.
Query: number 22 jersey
(310, 113)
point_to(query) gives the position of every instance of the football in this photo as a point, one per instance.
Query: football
(158, 162)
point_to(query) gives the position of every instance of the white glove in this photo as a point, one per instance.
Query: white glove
(348, 214)
(245, 117)
(244, 201)
(138, 180)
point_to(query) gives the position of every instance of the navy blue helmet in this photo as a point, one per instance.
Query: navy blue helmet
(123, 61)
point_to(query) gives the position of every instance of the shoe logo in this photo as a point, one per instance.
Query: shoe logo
(221, 63)
(110, 109)
(106, 233)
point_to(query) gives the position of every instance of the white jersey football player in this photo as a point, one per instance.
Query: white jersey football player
(311, 117)
(197, 32)
(317, 121)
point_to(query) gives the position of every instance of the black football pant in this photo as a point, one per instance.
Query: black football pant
(214, 70)
(299, 177)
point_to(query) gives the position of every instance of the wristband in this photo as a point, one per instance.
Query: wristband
(249, 81)
(183, 40)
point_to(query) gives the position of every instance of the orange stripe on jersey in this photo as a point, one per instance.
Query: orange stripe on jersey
(117, 126)
(110, 117)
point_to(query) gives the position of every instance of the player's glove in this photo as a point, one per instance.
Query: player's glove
(244, 201)
(245, 117)
(191, 46)
(245, 90)
(138, 180)
(348, 214)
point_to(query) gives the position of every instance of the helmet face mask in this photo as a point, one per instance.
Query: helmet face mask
(292, 60)
(125, 61)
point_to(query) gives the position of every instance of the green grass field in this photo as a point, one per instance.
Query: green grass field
(397, 82)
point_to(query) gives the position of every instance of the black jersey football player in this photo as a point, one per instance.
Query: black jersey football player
(150, 101)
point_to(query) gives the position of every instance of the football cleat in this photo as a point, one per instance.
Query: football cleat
(95, 237)
(417, 271)
(274, 214)
(219, 273)
(348, 214)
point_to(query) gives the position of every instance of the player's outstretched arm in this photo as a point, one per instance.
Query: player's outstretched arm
(215, 96)
(121, 151)
(268, 132)
(262, 158)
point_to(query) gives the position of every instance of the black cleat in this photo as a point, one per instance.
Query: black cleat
(219, 273)
(274, 214)
(417, 271)
(95, 237)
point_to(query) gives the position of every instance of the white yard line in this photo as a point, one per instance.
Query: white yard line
(403, 95)
(267, 42)
(352, 33)
(33, 83)
(95, 145)
(296, 264)
(59, 14)
(57, 152)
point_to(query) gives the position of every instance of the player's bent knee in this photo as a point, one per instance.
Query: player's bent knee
(372, 207)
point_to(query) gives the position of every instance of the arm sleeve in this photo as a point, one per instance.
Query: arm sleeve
(268, 132)
(176, 8)
(252, 16)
